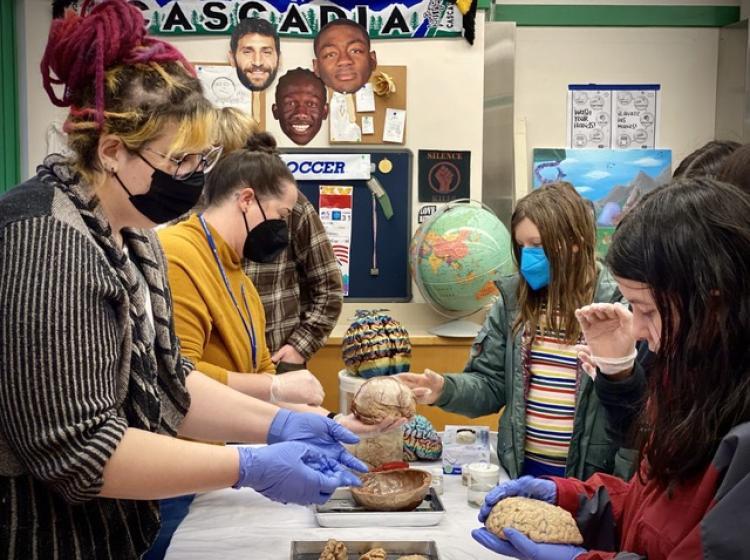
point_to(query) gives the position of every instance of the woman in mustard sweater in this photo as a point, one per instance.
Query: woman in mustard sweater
(219, 316)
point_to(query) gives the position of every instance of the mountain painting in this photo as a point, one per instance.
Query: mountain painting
(613, 180)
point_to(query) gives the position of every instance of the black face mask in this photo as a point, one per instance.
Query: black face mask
(167, 198)
(266, 240)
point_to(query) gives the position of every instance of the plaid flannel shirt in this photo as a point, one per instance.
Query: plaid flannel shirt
(301, 290)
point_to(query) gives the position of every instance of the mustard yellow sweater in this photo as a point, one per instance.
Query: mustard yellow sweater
(208, 325)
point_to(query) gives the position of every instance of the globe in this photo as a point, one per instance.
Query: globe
(457, 255)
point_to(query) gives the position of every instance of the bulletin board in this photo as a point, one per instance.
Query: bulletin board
(208, 72)
(393, 282)
(396, 100)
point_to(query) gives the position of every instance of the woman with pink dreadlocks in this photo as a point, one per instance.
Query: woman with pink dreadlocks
(93, 387)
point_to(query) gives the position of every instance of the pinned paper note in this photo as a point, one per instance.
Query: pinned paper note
(365, 99)
(368, 125)
(343, 126)
(394, 125)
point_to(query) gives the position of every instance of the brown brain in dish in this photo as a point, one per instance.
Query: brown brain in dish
(396, 490)
(383, 398)
(538, 520)
(374, 554)
(334, 550)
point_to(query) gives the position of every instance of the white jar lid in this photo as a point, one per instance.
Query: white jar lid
(484, 468)
(484, 471)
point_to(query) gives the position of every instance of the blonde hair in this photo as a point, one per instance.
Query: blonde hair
(140, 101)
(568, 233)
(233, 128)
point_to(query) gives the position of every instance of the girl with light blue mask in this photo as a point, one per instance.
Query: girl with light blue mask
(524, 360)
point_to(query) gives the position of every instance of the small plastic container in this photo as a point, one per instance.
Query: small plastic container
(437, 479)
(465, 474)
(349, 384)
(483, 477)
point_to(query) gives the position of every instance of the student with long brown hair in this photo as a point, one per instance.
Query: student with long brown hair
(680, 257)
(524, 359)
(93, 385)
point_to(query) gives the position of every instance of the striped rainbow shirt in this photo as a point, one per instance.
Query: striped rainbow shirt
(552, 369)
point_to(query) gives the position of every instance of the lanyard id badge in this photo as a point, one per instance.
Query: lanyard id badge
(249, 328)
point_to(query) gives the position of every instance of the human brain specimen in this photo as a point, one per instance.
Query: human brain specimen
(383, 398)
(334, 550)
(538, 520)
(374, 554)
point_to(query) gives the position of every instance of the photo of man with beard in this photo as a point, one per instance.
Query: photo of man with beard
(343, 58)
(300, 105)
(255, 52)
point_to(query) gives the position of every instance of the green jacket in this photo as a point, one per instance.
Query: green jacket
(494, 378)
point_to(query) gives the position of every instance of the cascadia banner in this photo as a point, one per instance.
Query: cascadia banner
(303, 18)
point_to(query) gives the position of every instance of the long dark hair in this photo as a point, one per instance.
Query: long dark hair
(689, 241)
(706, 160)
(735, 169)
(566, 225)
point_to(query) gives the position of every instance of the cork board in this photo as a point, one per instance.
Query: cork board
(216, 77)
(395, 100)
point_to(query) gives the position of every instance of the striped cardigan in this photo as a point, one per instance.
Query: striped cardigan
(79, 364)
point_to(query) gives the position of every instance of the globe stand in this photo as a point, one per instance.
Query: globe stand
(460, 328)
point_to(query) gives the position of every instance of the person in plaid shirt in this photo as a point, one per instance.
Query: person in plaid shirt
(301, 290)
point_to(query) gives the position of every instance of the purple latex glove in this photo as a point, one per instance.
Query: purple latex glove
(520, 546)
(318, 431)
(526, 486)
(292, 472)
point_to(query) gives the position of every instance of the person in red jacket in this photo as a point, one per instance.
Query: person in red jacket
(681, 258)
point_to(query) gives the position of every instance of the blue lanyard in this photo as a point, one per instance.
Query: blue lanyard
(248, 328)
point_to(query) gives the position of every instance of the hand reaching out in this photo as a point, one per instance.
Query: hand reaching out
(427, 387)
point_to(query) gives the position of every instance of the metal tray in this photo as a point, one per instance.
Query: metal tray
(342, 511)
(310, 550)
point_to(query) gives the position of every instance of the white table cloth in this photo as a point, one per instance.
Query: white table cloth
(241, 524)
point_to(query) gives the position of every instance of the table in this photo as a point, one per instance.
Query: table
(241, 524)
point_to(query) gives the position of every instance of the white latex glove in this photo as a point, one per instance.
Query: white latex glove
(288, 354)
(351, 423)
(296, 387)
(587, 363)
(427, 387)
(608, 330)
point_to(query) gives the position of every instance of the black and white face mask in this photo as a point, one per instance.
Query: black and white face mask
(267, 240)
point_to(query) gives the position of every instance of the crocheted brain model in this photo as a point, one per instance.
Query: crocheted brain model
(540, 521)
(376, 344)
(421, 441)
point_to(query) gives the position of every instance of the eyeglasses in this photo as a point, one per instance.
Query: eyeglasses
(188, 164)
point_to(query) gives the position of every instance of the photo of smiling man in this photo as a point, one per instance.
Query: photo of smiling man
(254, 51)
(343, 58)
(300, 105)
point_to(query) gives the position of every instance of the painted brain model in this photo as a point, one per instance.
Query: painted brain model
(421, 441)
(375, 344)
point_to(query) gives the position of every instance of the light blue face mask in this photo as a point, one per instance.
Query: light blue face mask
(534, 267)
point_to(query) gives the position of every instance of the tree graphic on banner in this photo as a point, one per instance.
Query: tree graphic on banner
(155, 22)
(273, 20)
(414, 20)
(312, 21)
